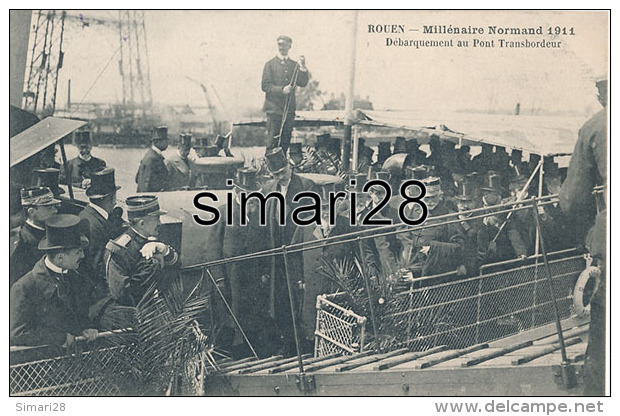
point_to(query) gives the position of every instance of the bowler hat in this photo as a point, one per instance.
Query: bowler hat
(276, 160)
(246, 180)
(81, 137)
(102, 184)
(38, 196)
(143, 205)
(63, 231)
(48, 177)
(160, 133)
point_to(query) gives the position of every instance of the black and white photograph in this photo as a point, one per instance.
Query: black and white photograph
(310, 203)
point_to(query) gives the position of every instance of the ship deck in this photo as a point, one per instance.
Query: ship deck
(525, 364)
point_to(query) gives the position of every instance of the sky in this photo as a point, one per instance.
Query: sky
(227, 50)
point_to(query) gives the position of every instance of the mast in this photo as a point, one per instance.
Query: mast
(349, 117)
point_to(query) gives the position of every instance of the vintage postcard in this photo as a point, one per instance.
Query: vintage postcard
(310, 203)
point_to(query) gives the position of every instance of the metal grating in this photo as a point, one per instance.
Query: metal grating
(456, 312)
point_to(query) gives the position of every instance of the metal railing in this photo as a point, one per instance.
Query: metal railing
(436, 310)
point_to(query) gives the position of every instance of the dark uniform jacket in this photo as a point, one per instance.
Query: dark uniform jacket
(277, 235)
(128, 273)
(45, 306)
(588, 168)
(100, 231)
(26, 253)
(80, 169)
(277, 74)
(446, 244)
(179, 172)
(315, 282)
(152, 175)
(246, 289)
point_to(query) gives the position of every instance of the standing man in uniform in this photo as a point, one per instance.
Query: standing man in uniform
(135, 260)
(280, 77)
(587, 169)
(179, 165)
(39, 204)
(152, 175)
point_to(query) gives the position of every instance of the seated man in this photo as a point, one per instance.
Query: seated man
(437, 249)
(49, 304)
(39, 204)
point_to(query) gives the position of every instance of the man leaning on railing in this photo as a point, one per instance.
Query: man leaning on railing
(49, 304)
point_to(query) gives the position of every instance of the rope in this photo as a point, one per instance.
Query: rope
(96, 79)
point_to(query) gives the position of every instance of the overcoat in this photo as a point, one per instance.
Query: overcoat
(26, 252)
(45, 306)
(152, 175)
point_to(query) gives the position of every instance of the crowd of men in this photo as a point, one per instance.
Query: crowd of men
(73, 275)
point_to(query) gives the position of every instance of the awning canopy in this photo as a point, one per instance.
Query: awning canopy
(543, 135)
(36, 138)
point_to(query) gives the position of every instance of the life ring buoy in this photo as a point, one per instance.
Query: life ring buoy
(582, 308)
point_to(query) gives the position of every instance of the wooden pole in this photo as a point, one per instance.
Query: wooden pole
(350, 98)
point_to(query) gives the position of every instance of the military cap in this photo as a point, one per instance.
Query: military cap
(143, 205)
(38, 196)
(416, 172)
(276, 160)
(432, 185)
(284, 38)
(160, 133)
(63, 231)
(102, 184)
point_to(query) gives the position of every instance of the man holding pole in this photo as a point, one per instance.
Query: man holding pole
(280, 77)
